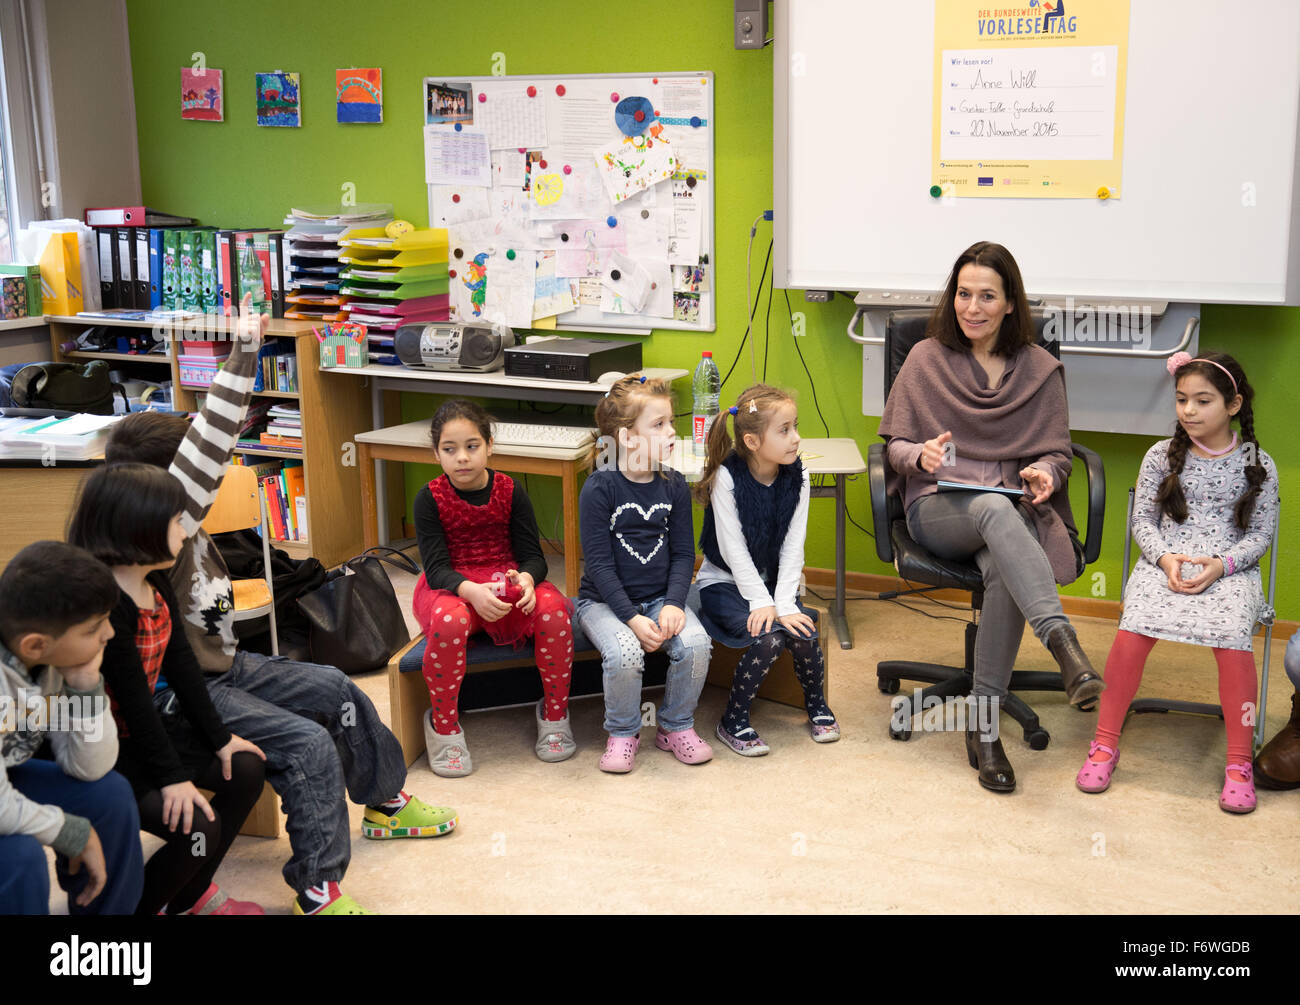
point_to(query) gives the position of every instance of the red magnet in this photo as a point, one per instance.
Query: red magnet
(522, 150)
(482, 97)
(655, 80)
(567, 169)
(542, 165)
(532, 91)
(451, 273)
(654, 286)
(614, 97)
(639, 116)
(456, 197)
(559, 89)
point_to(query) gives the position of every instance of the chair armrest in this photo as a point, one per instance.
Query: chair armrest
(1096, 473)
(877, 467)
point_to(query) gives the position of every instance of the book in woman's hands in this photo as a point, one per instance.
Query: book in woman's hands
(945, 486)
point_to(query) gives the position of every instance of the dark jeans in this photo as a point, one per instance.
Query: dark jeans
(319, 732)
(110, 806)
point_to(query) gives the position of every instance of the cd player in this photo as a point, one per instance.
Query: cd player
(444, 346)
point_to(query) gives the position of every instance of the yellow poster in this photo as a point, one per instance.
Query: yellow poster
(1029, 98)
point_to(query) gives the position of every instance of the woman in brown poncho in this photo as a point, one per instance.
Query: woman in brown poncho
(977, 402)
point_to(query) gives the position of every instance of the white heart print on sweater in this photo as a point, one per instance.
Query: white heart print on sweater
(646, 515)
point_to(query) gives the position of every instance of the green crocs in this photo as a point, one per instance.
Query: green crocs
(332, 900)
(416, 819)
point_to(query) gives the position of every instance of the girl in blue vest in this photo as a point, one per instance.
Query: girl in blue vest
(755, 494)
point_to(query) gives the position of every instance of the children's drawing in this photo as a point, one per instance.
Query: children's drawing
(278, 99)
(476, 282)
(359, 94)
(201, 93)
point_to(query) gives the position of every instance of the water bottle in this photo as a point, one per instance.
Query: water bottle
(706, 386)
(250, 278)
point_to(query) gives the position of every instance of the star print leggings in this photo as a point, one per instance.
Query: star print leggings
(448, 623)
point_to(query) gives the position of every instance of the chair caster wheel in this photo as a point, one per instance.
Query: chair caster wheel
(888, 685)
(900, 734)
(1037, 739)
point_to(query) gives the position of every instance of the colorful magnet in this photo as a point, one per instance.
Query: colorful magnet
(458, 127)
(455, 197)
(542, 165)
(398, 227)
(695, 122)
(511, 254)
(559, 89)
(615, 275)
(1103, 193)
(690, 182)
(654, 286)
(655, 80)
(522, 150)
(451, 273)
(482, 97)
(614, 97)
(936, 191)
(567, 169)
(459, 252)
(532, 91)
(633, 115)
(611, 221)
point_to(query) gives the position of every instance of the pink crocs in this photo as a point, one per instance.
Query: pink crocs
(686, 744)
(620, 752)
(1237, 797)
(1094, 776)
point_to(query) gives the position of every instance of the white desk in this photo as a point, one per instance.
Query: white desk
(838, 457)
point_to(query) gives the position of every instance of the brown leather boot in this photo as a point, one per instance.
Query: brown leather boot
(1082, 682)
(1278, 765)
(990, 759)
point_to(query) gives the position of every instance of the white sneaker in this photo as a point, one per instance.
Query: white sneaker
(448, 755)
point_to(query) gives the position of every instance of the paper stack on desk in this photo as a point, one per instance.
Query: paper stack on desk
(390, 281)
(79, 437)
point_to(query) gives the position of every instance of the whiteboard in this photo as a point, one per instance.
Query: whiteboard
(1208, 211)
(576, 114)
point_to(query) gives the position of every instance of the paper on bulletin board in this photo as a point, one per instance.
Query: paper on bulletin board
(511, 116)
(632, 164)
(1029, 105)
(456, 156)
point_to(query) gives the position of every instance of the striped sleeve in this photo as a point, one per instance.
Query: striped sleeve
(206, 449)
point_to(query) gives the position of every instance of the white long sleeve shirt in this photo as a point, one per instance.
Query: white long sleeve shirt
(735, 552)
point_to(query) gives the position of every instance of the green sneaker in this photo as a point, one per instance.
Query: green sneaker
(416, 819)
(331, 900)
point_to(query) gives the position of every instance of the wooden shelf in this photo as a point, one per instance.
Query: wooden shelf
(207, 324)
(122, 357)
(29, 322)
(292, 395)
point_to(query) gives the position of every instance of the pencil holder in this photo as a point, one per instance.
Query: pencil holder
(343, 344)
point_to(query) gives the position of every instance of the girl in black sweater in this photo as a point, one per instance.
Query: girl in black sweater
(171, 739)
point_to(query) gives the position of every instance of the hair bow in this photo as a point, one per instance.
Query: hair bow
(1177, 361)
(733, 409)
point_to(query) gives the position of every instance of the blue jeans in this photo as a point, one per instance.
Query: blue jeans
(623, 660)
(319, 732)
(109, 805)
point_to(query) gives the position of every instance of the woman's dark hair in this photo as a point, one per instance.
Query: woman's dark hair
(1017, 327)
(49, 587)
(124, 512)
(1170, 494)
(459, 408)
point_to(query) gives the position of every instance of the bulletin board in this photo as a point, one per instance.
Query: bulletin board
(579, 202)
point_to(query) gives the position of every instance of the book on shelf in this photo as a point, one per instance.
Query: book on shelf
(282, 486)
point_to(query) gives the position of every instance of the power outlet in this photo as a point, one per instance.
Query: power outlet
(751, 24)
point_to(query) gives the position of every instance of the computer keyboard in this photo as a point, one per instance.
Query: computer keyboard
(527, 434)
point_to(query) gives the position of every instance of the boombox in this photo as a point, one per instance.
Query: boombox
(445, 346)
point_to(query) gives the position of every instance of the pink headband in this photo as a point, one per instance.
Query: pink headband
(1180, 359)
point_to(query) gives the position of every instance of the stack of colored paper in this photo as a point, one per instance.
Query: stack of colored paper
(312, 267)
(393, 281)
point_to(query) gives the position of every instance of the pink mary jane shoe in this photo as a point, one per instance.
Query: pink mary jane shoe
(1094, 776)
(1237, 797)
(620, 752)
(686, 744)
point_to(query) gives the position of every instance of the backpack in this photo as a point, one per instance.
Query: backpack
(67, 387)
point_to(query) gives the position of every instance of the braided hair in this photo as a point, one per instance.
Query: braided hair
(1170, 494)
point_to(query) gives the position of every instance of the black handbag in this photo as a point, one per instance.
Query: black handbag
(356, 621)
(68, 387)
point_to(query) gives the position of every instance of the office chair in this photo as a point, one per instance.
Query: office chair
(915, 564)
(1147, 705)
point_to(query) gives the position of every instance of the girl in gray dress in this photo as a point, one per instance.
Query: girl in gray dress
(1206, 503)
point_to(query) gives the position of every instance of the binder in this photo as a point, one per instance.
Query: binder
(142, 273)
(107, 242)
(224, 272)
(124, 278)
(171, 275)
(155, 267)
(275, 250)
(190, 281)
(133, 216)
(206, 245)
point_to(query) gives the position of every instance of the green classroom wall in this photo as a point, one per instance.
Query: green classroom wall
(237, 174)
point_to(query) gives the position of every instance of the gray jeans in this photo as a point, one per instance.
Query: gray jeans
(1018, 583)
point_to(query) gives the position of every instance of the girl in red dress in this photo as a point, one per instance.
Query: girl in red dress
(484, 571)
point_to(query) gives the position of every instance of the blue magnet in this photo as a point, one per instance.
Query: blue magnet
(695, 122)
(457, 127)
(612, 221)
(633, 115)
